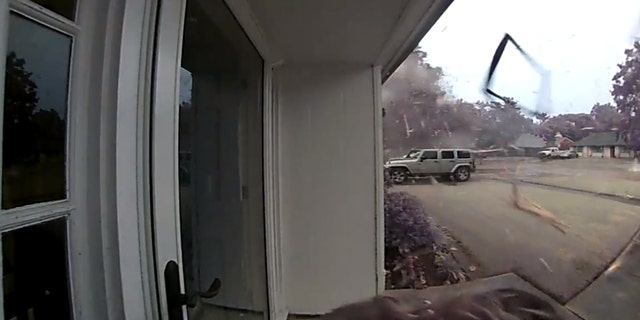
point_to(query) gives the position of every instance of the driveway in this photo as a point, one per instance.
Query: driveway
(504, 239)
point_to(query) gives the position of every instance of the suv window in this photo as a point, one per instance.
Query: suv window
(463, 154)
(447, 155)
(430, 155)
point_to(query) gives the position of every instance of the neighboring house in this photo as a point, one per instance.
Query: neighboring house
(529, 144)
(280, 193)
(603, 145)
(563, 143)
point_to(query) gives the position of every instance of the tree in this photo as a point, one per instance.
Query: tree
(419, 113)
(626, 95)
(571, 125)
(606, 117)
(20, 102)
(500, 124)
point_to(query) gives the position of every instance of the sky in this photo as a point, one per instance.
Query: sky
(578, 42)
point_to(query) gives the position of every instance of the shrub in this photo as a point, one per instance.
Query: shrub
(413, 257)
(407, 229)
(406, 225)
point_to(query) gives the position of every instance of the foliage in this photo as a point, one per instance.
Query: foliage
(626, 95)
(500, 124)
(407, 226)
(606, 117)
(407, 229)
(572, 125)
(20, 102)
(420, 113)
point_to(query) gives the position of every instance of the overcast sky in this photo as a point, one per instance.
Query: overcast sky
(579, 42)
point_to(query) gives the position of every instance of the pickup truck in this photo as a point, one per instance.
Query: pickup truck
(550, 153)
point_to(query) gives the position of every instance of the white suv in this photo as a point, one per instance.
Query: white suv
(418, 163)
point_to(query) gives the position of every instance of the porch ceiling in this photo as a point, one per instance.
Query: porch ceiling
(361, 31)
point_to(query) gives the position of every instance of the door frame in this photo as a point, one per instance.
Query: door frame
(141, 297)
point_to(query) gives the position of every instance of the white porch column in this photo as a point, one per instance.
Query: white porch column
(328, 183)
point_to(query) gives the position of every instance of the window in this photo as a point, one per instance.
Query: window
(34, 272)
(35, 114)
(412, 154)
(65, 8)
(35, 211)
(463, 154)
(448, 155)
(430, 155)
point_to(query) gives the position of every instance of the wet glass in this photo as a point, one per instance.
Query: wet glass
(35, 114)
(34, 272)
(220, 164)
(65, 8)
(545, 190)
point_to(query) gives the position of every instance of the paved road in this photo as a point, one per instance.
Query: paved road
(503, 239)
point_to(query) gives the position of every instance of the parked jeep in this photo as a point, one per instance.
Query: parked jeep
(419, 163)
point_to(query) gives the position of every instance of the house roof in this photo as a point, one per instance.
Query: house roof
(527, 140)
(601, 139)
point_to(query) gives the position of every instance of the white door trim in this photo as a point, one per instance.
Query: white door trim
(378, 160)
(164, 141)
(272, 214)
(134, 240)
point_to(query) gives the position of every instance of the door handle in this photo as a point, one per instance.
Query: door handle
(435, 161)
(176, 299)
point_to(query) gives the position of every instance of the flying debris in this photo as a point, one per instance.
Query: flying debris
(544, 91)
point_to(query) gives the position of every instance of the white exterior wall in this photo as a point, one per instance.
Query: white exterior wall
(328, 184)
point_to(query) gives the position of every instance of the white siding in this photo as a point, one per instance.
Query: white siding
(328, 192)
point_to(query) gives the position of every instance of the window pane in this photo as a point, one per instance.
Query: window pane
(431, 154)
(447, 154)
(65, 8)
(464, 154)
(35, 109)
(34, 272)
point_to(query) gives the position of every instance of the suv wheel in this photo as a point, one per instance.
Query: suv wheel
(399, 175)
(462, 174)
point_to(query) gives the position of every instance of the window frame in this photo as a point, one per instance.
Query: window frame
(39, 15)
(42, 212)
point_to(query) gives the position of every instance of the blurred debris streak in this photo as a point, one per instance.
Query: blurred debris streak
(525, 204)
(546, 265)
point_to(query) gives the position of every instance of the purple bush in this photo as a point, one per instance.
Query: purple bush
(406, 224)
(414, 257)
(409, 257)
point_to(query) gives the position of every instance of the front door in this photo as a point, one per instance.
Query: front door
(207, 177)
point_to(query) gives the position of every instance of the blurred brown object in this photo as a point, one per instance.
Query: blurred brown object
(501, 304)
